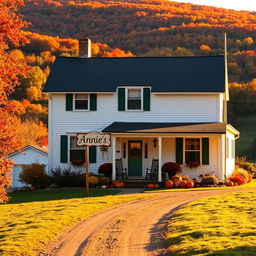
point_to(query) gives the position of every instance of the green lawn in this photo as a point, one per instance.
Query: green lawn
(215, 226)
(246, 126)
(32, 219)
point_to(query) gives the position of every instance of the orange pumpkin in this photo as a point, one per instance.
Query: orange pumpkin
(114, 182)
(236, 184)
(190, 184)
(183, 184)
(118, 184)
(122, 184)
(156, 185)
(150, 185)
(169, 184)
(176, 184)
(230, 184)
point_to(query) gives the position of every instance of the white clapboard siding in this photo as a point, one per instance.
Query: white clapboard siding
(164, 108)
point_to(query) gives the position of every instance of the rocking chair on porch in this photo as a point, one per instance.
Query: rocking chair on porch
(121, 173)
(151, 173)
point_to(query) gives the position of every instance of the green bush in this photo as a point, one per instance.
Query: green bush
(248, 166)
(209, 180)
(34, 174)
(68, 178)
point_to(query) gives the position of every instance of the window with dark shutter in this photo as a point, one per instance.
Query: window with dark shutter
(69, 102)
(121, 99)
(63, 148)
(146, 99)
(179, 150)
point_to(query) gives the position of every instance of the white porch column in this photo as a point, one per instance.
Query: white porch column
(159, 159)
(113, 142)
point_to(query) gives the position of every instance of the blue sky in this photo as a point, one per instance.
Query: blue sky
(229, 4)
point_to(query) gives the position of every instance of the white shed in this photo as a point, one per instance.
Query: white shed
(25, 156)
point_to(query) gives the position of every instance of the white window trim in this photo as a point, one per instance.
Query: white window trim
(126, 99)
(184, 150)
(69, 148)
(74, 101)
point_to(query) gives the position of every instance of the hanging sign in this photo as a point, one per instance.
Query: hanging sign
(93, 139)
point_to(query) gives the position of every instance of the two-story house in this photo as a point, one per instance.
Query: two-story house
(173, 109)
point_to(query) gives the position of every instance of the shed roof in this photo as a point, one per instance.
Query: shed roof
(40, 149)
(163, 74)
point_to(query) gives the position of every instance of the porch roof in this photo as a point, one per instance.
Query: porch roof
(145, 127)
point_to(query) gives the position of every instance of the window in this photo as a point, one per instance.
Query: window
(77, 154)
(134, 99)
(192, 150)
(81, 102)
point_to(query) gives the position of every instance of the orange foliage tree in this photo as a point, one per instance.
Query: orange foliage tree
(11, 68)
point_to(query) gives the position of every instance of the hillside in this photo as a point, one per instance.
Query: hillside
(151, 28)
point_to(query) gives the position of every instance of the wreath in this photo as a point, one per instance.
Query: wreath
(135, 151)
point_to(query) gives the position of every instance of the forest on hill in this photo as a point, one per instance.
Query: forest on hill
(137, 28)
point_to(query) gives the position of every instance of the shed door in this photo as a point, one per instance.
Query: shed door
(15, 177)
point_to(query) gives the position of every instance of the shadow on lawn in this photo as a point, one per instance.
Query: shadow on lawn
(49, 195)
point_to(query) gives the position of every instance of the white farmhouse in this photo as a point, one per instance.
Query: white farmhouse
(173, 109)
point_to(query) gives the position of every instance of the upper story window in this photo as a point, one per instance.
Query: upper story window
(81, 102)
(134, 99)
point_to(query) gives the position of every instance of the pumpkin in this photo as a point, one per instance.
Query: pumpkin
(156, 185)
(169, 184)
(114, 182)
(150, 186)
(118, 184)
(122, 184)
(183, 184)
(176, 184)
(236, 184)
(190, 184)
(230, 184)
(198, 185)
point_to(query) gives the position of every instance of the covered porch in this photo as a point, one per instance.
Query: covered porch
(136, 145)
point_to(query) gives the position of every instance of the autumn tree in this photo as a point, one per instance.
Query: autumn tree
(11, 68)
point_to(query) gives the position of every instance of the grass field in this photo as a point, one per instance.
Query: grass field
(247, 127)
(215, 226)
(32, 219)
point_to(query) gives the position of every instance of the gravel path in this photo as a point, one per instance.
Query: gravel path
(131, 229)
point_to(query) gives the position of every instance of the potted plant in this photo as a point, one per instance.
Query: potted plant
(77, 162)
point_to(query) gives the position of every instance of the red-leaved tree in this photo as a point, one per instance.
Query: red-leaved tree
(11, 69)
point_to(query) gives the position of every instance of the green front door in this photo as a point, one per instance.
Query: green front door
(135, 158)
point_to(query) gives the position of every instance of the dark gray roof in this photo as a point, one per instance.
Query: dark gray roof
(139, 127)
(164, 74)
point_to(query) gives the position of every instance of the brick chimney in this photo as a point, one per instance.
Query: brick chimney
(84, 48)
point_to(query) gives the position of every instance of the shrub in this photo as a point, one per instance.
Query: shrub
(241, 171)
(243, 163)
(68, 178)
(106, 170)
(171, 168)
(34, 174)
(209, 180)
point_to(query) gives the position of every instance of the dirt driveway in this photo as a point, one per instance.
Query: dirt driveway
(131, 229)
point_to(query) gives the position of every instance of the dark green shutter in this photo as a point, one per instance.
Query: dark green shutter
(69, 102)
(121, 99)
(92, 154)
(146, 99)
(205, 151)
(93, 102)
(63, 148)
(179, 150)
